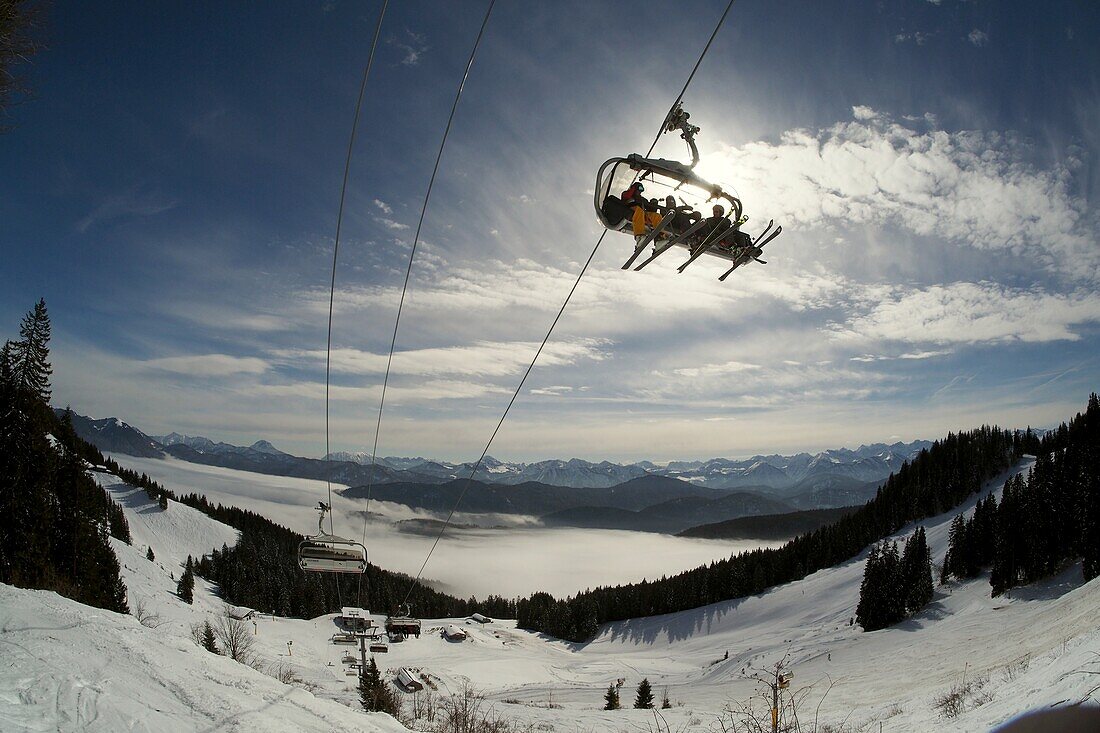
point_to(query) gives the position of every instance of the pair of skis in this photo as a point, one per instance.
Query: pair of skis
(754, 250)
(751, 252)
(658, 251)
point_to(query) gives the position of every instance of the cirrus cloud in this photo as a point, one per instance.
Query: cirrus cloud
(971, 187)
(206, 365)
(968, 313)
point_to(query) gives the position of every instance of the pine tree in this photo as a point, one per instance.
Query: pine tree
(209, 641)
(149, 555)
(917, 565)
(893, 586)
(867, 610)
(611, 698)
(375, 694)
(186, 586)
(665, 702)
(1090, 540)
(30, 356)
(644, 698)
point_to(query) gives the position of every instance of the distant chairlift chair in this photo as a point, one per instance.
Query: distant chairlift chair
(327, 553)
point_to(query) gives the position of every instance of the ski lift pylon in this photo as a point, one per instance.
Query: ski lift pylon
(684, 225)
(327, 553)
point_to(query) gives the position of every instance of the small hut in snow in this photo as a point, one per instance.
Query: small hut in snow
(454, 633)
(240, 613)
(407, 681)
(355, 619)
(480, 619)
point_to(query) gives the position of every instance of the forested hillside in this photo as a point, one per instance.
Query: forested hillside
(261, 571)
(938, 479)
(1044, 521)
(54, 519)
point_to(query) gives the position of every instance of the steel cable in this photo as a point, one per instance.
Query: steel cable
(553, 325)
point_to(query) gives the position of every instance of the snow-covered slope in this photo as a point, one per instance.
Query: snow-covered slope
(68, 667)
(1029, 646)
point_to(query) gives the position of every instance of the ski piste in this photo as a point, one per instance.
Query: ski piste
(672, 243)
(665, 220)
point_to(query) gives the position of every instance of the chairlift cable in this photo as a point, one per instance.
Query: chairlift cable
(553, 325)
(335, 256)
(336, 243)
(691, 76)
(408, 270)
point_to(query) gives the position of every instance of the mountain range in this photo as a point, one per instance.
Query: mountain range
(643, 496)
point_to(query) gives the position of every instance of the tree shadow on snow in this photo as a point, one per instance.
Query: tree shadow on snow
(676, 626)
(133, 499)
(1050, 588)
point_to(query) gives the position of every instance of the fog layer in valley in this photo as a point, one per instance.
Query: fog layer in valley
(509, 561)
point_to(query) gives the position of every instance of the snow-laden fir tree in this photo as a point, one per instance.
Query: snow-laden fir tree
(209, 641)
(611, 698)
(375, 694)
(916, 565)
(186, 586)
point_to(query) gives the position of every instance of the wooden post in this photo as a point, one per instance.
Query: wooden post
(775, 708)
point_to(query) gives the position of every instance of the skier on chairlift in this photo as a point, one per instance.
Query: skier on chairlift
(684, 217)
(717, 220)
(645, 210)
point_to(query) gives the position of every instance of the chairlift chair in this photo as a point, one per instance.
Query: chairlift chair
(661, 178)
(327, 553)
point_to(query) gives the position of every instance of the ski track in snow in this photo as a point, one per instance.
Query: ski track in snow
(68, 667)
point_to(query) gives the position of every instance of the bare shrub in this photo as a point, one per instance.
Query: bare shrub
(424, 706)
(1088, 671)
(284, 673)
(469, 712)
(963, 696)
(754, 715)
(146, 617)
(1015, 668)
(235, 639)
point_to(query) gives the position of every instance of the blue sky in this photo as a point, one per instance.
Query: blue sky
(172, 193)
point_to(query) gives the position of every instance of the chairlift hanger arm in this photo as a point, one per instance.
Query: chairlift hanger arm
(677, 119)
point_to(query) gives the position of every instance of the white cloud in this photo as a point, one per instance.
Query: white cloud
(383, 206)
(910, 356)
(426, 391)
(207, 365)
(555, 391)
(391, 224)
(132, 203)
(861, 112)
(714, 370)
(978, 37)
(968, 187)
(967, 313)
(484, 359)
(413, 47)
(917, 37)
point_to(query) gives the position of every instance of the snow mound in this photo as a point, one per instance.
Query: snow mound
(69, 667)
